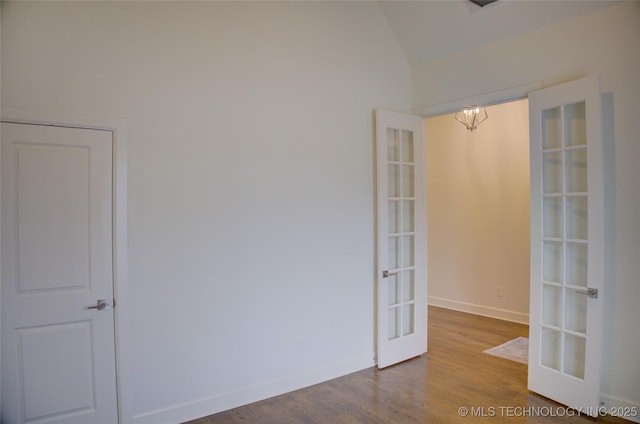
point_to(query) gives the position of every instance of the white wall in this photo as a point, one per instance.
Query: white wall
(607, 43)
(478, 200)
(250, 180)
(0, 136)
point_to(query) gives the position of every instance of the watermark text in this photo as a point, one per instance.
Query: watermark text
(544, 411)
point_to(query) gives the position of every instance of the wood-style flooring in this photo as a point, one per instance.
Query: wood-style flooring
(433, 388)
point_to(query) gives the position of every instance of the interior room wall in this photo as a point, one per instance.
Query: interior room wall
(250, 180)
(0, 136)
(603, 43)
(478, 213)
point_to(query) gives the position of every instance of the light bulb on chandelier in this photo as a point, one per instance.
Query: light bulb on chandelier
(471, 117)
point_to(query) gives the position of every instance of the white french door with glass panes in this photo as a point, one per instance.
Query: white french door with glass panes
(567, 252)
(402, 235)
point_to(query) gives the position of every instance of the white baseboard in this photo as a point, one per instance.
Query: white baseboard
(622, 408)
(486, 311)
(264, 390)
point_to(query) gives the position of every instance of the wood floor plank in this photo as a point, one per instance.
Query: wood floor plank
(432, 388)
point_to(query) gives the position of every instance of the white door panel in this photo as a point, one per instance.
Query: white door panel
(56, 177)
(567, 252)
(402, 235)
(58, 353)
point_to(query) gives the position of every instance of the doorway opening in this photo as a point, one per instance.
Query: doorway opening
(478, 208)
(566, 215)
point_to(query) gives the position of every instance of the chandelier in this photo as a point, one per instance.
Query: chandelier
(471, 117)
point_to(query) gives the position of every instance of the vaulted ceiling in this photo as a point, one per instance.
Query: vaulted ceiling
(429, 29)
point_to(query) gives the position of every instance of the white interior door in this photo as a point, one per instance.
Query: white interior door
(402, 236)
(58, 351)
(567, 252)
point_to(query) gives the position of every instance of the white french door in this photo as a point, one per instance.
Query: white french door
(567, 253)
(58, 347)
(402, 235)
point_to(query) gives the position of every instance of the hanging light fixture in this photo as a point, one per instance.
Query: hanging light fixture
(471, 117)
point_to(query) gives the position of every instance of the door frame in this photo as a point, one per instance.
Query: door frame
(119, 129)
(485, 99)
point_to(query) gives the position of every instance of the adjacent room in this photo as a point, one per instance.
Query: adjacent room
(478, 213)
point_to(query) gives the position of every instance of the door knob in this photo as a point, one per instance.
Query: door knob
(593, 293)
(100, 305)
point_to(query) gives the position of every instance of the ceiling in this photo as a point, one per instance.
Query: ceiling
(429, 29)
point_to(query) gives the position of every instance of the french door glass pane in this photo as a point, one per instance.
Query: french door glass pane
(551, 345)
(408, 216)
(394, 323)
(577, 264)
(408, 286)
(574, 355)
(551, 129)
(576, 312)
(394, 290)
(577, 222)
(407, 180)
(394, 252)
(552, 305)
(407, 319)
(407, 147)
(394, 216)
(575, 124)
(552, 263)
(408, 251)
(393, 180)
(577, 170)
(393, 146)
(552, 172)
(552, 217)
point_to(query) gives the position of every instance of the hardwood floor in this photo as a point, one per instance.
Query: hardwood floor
(433, 388)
